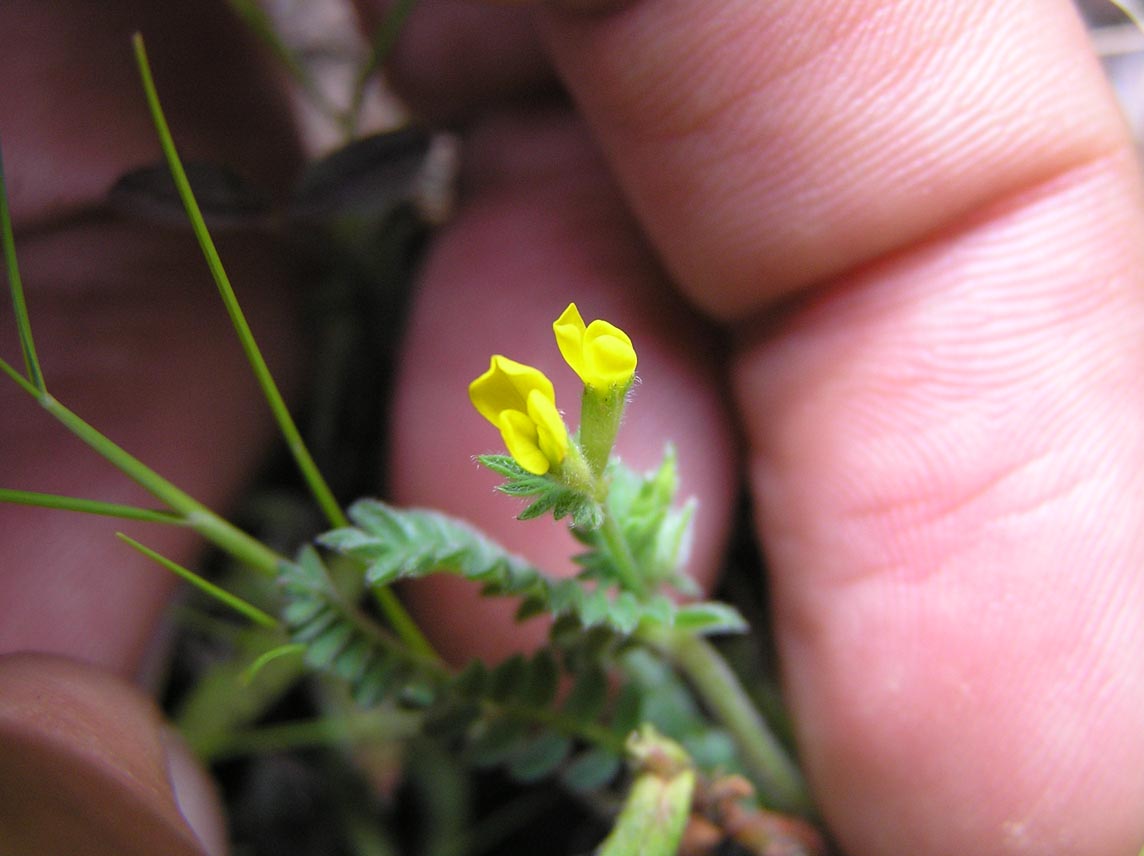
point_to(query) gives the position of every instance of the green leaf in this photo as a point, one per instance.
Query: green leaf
(627, 713)
(321, 651)
(710, 617)
(673, 544)
(508, 679)
(712, 749)
(408, 543)
(338, 638)
(473, 680)
(530, 607)
(591, 770)
(318, 626)
(299, 612)
(499, 739)
(354, 542)
(539, 757)
(624, 612)
(380, 681)
(354, 659)
(502, 465)
(416, 692)
(551, 496)
(450, 720)
(659, 611)
(543, 674)
(596, 608)
(589, 694)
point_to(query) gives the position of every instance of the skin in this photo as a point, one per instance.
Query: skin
(915, 231)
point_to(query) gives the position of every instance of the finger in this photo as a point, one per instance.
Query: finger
(769, 147)
(946, 456)
(944, 438)
(543, 226)
(126, 318)
(87, 767)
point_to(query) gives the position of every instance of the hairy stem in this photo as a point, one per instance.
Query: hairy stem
(775, 775)
(616, 544)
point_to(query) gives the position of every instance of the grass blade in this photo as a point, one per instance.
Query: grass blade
(15, 286)
(248, 610)
(89, 506)
(394, 612)
(314, 480)
(223, 534)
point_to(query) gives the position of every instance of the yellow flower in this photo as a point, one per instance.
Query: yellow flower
(520, 401)
(600, 353)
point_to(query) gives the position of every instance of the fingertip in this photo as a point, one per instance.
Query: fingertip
(84, 767)
(196, 793)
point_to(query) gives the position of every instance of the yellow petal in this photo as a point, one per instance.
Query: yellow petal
(569, 330)
(506, 386)
(609, 358)
(521, 439)
(552, 435)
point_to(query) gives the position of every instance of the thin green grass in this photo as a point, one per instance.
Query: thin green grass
(90, 506)
(193, 513)
(289, 650)
(314, 480)
(391, 607)
(242, 607)
(31, 363)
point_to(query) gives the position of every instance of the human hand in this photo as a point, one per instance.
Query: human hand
(938, 414)
(919, 226)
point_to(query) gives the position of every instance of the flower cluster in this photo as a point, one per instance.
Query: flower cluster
(520, 402)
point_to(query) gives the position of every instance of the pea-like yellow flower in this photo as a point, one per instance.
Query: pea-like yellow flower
(521, 403)
(600, 353)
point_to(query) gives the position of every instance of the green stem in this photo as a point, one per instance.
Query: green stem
(200, 518)
(569, 726)
(317, 484)
(8, 241)
(215, 529)
(236, 603)
(384, 724)
(391, 607)
(775, 775)
(89, 506)
(617, 546)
